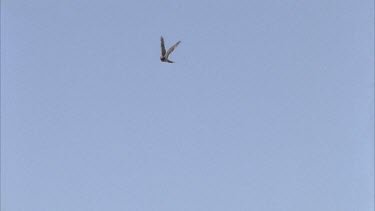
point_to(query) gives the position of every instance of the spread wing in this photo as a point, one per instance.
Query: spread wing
(171, 49)
(162, 46)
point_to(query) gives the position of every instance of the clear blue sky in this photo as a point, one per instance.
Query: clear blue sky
(269, 105)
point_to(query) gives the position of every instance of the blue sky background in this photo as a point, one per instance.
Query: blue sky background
(269, 105)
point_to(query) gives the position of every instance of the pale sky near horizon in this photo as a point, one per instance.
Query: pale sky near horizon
(269, 106)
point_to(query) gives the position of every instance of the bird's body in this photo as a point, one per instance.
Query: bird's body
(164, 53)
(164, 59)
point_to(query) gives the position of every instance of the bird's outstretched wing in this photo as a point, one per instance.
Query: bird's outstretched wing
(162, 46)
(171, 49)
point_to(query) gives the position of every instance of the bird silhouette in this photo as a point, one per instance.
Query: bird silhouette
(164, 53)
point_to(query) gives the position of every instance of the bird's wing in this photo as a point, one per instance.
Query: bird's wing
(162, 46)
(171, 49)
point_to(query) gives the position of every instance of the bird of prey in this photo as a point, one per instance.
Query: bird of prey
(165, 54)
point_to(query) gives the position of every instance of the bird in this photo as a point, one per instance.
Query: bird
(164, 53)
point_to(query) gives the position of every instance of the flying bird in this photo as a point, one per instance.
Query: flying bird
(165, 54)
